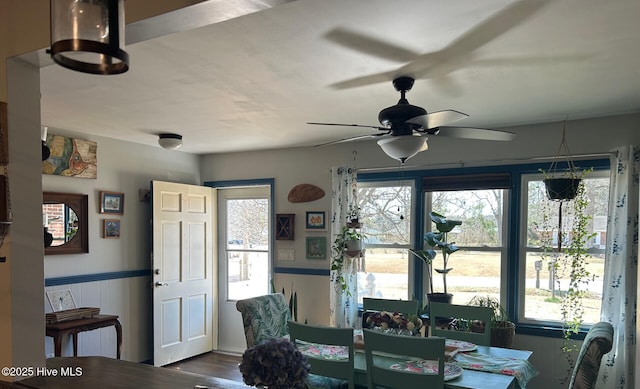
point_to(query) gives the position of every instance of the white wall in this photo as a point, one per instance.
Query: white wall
(291, 167)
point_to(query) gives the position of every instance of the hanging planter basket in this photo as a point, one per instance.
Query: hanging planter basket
(562, 189)
(562, 185)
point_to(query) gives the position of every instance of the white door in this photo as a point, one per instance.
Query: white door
(244, 227)
(183, 271)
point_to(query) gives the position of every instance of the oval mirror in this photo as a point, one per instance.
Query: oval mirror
(64, 218)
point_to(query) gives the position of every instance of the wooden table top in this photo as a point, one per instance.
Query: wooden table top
(106, 373)
(66, 324)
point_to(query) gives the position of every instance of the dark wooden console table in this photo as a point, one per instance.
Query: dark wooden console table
(72, 327)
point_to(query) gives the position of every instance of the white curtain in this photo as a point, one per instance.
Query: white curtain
(620, 277)
(343, 304)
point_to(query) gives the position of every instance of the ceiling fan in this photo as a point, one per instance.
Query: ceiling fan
(403, 124)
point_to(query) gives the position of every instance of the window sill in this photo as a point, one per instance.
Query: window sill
(547, 331)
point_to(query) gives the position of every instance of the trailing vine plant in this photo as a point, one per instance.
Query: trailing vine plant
(569, 264)
(574, 263)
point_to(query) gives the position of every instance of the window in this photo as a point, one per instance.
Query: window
(247, 246)
(385, 212)
(499, 244)
(541, 286)
(477, 266)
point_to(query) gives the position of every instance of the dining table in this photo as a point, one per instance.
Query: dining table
(468, 366)
(469, 379)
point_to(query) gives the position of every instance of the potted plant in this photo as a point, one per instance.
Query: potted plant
(274, 364)
(347, 243)
(503, 329)
(352, 239)
(562, 185)
(437, 241)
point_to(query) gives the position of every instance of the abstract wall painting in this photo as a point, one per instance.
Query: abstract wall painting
(71, 157)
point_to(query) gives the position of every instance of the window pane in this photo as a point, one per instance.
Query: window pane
(481, 212)
(386, 274)
(248, 223)
(247, 247)
(248, 274)
(544, 288)
(386, 214)
(476, 267)
(474, 273)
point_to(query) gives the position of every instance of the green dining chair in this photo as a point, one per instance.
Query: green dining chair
(407, 307)
(439, 312)
(329, 351)
(386, 353)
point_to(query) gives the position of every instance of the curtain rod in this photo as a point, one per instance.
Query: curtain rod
(483, 162)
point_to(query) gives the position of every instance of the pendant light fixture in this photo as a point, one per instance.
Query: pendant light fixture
(87, 35)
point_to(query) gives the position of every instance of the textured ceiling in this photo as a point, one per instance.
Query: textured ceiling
(252, 82)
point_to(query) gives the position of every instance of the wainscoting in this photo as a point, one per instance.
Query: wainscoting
(126, 294)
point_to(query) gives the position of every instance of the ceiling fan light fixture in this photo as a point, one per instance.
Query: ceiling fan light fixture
(87, 36)
(403, 147)
(170, 141)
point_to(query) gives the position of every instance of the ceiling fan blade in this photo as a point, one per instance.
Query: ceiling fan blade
(438, 118)
(349, 125)
(369, 45)
(442, 62)
(475, 133)
(353, 138)
(365, 80)
(496, 25)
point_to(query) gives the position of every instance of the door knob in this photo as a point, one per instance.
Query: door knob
(159, 284)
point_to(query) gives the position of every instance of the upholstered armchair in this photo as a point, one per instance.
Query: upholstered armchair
(597, 343)
(264, 317)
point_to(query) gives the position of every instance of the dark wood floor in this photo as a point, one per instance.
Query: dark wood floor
(212, 364)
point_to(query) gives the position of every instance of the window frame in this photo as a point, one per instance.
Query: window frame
(397, 182)
(501, 250)
(532, 324)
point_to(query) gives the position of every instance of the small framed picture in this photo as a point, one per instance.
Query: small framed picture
(285, 226)
(316, 247)
(61, 300)
(316, 220)
(111, 228)
(112, 203)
